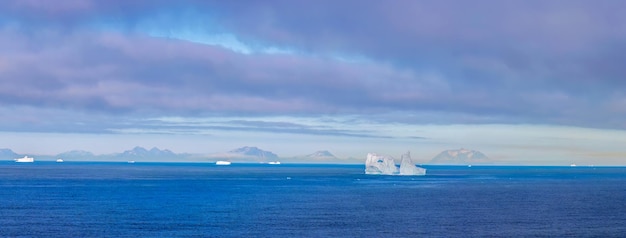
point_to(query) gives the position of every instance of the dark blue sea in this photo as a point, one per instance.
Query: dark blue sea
(85, 199)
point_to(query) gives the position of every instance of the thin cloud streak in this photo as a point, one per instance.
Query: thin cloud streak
(206, 126)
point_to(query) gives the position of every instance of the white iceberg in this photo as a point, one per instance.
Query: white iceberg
(385, 165)
(26, 159)
(222, 162)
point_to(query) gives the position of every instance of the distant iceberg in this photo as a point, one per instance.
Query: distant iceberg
(222, 162)
(26, 159)
(385, 165)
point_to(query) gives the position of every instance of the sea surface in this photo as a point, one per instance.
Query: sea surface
(87, 199)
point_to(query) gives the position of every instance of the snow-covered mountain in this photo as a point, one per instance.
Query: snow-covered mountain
(140, 152)
(253, 152)
(460, 156)
(321, 155)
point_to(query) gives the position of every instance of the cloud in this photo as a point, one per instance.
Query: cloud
(273, 125)
(116, 72)
(540, 62)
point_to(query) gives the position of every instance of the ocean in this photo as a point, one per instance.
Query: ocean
(87, 199)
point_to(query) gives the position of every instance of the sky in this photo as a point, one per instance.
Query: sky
(524, 82)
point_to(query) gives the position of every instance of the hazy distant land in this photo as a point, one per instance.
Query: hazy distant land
(246, 154)
(139, 154)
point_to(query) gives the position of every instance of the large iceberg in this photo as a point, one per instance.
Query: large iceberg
(385, 165)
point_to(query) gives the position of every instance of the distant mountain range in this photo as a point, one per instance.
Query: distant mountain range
(245, 154)
(242, 154)
(460, 157)
(254, 154)
(138, 153)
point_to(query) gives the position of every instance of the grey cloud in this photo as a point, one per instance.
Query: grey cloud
(282, 127)
(548, 62)
(113, 72)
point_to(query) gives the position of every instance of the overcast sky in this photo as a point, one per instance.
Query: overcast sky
(530, 82)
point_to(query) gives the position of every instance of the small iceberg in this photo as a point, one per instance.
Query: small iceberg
(26, 159)
(274, 162)
(131, 161)
(59, 160)
(222, 162)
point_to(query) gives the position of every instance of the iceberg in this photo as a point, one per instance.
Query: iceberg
(385, 165)
(222, 162)
(26, 159)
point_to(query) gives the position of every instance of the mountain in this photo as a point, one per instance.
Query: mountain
(320, 156)
(323, 154)
(138, 151)
(8, 154)
(154, 154)
(141, 152)
(77, 155)
(136, 154)
(460, 156)
(253, 152)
